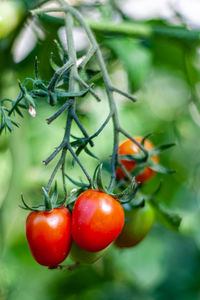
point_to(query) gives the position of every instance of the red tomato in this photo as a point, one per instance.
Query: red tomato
(49, 235)
(97, 220)
(127, 147)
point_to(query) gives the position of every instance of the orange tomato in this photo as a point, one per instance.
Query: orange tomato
(128, 147)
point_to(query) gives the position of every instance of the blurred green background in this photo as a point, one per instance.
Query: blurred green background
(162, 69)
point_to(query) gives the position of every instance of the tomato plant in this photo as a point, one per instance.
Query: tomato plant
(84, 257)
(128, 147)
(49, 235)
(138, 224)
(97, 219)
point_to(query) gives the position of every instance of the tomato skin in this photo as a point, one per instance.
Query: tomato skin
(97, 220)
(127, 147)
(84, 257)
(11, 13)
(49, 235)
(140, 221)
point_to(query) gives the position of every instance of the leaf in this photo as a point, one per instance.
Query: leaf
(61, 93)
(19, 112)
(54, 66)
(146, 137)
(160, 169)
(90, 153)
(25, 205)
(168, 218)
(47, 201)
(160, 149)
(79, 184)
(137, 157)
(8, 124)
(99, 181)
(54, 196)
(131, 196)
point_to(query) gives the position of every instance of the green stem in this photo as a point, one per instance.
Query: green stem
(130, 28)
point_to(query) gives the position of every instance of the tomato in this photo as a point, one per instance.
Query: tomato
(138, 224)
(49, 235)
(97, 220)
(11, 13)
(127, 147)
(84, 257)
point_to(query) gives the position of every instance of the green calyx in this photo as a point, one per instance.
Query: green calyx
(50, 202)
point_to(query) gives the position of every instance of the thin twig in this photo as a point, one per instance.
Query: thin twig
(127, 95)
(60, 111)
(83, 83)
(57, 75)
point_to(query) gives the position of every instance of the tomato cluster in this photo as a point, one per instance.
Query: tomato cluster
(96, 221)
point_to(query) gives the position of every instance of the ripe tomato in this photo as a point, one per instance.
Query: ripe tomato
(49, 235)
(84, 257)
(97, 220)
(127, 147)
(139, 223)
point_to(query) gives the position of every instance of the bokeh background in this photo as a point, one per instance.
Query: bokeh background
(162, 70)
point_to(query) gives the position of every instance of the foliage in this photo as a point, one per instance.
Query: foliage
(166, 74)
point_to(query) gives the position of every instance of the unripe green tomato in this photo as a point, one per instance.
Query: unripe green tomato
(84, 257)
(11, 13)
(138, 224)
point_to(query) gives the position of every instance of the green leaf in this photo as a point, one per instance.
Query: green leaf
(146, 137)
(8, 124)
(160, 149)
(137, 157)
(90, 153)
(160, 169)
(47, 201)
(99, 182)
(79, 184)
(61, 93)
(168, 218)
(54, 196)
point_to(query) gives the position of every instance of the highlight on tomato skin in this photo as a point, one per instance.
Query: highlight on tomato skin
(139, 223)
(97, 220)
(84, 257)
(128, 147)
(49, 235)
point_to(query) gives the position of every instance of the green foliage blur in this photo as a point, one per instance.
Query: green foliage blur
(163, 72)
